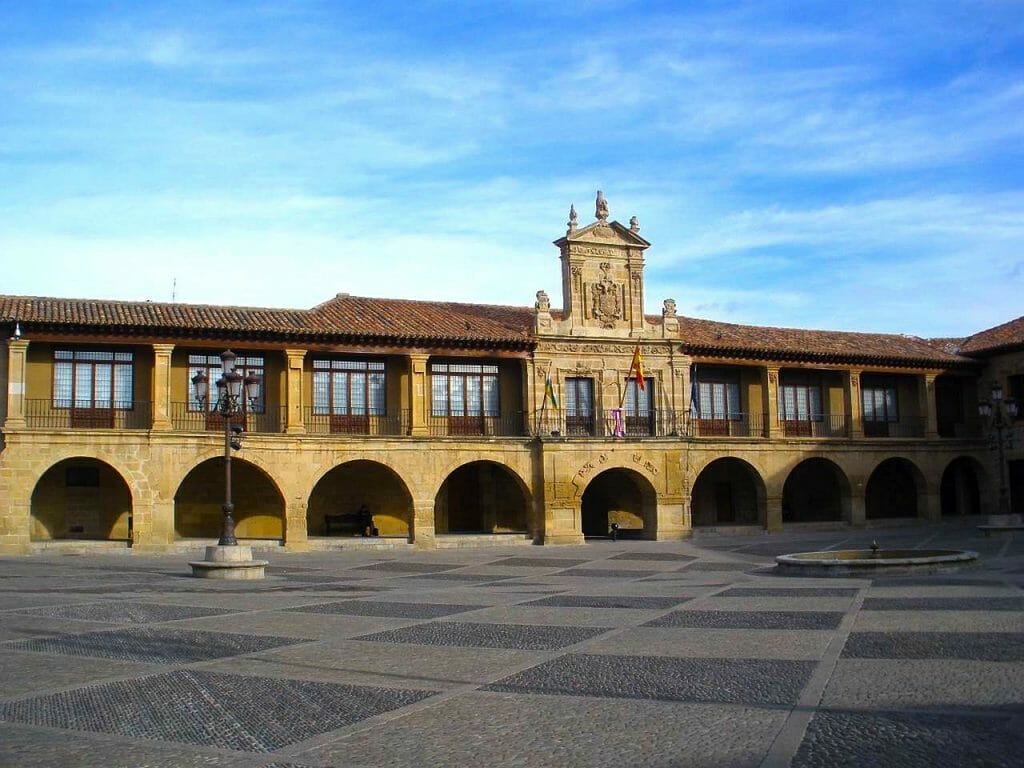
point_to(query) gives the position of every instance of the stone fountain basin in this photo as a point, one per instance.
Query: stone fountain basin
(852, 561)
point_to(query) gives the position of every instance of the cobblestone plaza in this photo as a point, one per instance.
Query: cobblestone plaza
(612, 653)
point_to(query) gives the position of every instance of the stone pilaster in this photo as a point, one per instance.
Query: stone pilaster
(296, 534)
(422, 530)
(772, 428)
(17, 354)
(294, 417)
(773, 514)
(161, 389)
(852, 403)
(926, 407)
(858, 504)
(672, 521)
(153, 526)
(419, 399)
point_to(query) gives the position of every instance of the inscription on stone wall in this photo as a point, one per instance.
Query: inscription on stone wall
(592, 466)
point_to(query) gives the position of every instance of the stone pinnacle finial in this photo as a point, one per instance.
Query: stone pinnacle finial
(601, 205)
(634, 224)
(572, 218)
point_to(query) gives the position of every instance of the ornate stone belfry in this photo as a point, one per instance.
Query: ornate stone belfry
(602, 278)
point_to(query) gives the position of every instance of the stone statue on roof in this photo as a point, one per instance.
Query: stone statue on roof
(573, 219)
(601, 205)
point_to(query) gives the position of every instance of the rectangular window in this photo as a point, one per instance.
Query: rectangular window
(879, 403)
(639, 407)
(719, 400)
(464, 389)
(349, 388)
(579, 406)
(1015, 385)
(246, 365)
(800, 402)
(95, 380)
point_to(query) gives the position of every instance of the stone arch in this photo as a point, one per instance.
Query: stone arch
(728, 491)
(816, 490)
(81, 498)
(259, 505)
(349, 487)
(482, 497)
(896, 488)
(621, 496)
(962, 487)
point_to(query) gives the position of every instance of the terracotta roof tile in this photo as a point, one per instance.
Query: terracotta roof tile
(1002, 337)
(728, 339)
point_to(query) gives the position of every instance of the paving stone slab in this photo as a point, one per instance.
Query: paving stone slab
(608, 573)
(251, 714)
(29, 747)
(719, 565)
(939, 621)
(667, 557)
(511, 731)
(389, 609)
(540, 562)
(522, 637)
(637, 602)
(714, 643)
(121, 612)
(151, 644)
(935, 581)
(721, 602)
(732, 681)
(983, 646)
(401, 566)
(895, 684)
(876, 740)
(19, 626)
(789, 592)
(943, 604)
(750, 619)
(24, 673)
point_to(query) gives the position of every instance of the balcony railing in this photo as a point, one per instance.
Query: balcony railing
(68, 414)
(612, 422)
(737, 425)
(510, 424)
(902, 428)
(355, 424)
(962, 429)
(186, 420)
(829, 425)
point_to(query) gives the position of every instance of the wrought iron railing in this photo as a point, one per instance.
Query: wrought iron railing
(736, 425)
(611, 422)
(71, 414)
(901, 428)
(509, 424)
(185, 419)
(964, 428)
(827, 425)
(383, 424)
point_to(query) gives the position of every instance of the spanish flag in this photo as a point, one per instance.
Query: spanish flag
(636, 369)
(549, 391)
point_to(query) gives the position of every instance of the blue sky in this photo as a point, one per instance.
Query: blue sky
(853, 165)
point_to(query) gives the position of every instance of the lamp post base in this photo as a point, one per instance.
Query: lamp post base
(233, 562)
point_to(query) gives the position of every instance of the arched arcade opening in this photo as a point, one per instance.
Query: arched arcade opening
(728, 491)
(895, 489)
(816, 491)
(259, 506)
(621, 497)
(359, 498)
(482, 497)
(960, 489)
(82, 499)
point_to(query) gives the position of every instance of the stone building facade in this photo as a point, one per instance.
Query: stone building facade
(468, 424)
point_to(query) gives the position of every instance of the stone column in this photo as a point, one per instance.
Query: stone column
(296, 534)
(852, 404)
(672, 523)
(858, 504)
(153, 526)
(926, 407)
(17, 355)
(422, 528)
(419, 400)
(773, 514)
(770, 382)
(161, 388)
(294, 422)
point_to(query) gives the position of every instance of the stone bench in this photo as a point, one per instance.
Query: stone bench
(355, 523)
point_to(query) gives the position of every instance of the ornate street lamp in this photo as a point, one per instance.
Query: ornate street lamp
(231, 388)
(1000, 414)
